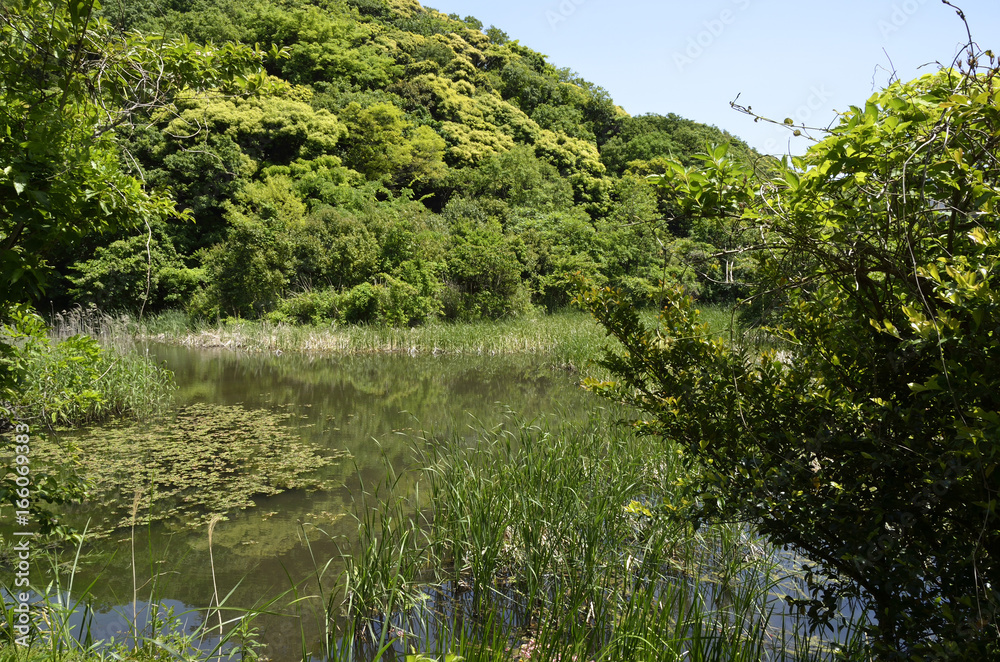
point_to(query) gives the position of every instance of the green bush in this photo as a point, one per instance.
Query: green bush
(391, 301)
(335, 247)
(483, 275)
(74, 381)
(865, 432)
(402, 304)
(309, 307)
(361, 304)
(248, 272)
(143, 272)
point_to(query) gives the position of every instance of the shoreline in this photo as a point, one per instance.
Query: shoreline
(569, 339)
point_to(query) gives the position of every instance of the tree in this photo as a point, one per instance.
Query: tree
(483, 275)
(68, 81)
(140, 273)
(249, 271)
(865, 433)
(375, 145)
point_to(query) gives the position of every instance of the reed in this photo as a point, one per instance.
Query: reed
(112, 331)
(63, 385)
(569, 338)
(550, 540)
(534, 540)
(63, 622)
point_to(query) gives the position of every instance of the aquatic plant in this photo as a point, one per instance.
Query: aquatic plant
(555, 540)
(206, 460)
(63, 627)
(73, 380)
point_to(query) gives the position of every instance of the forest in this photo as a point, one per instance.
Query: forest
(392, 165)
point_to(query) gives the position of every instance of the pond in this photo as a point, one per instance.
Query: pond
(348, 419)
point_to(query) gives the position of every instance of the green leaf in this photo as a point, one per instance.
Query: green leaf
(20, 182)
(930, 385)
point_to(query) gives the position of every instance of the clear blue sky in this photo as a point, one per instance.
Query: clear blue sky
(803, 59)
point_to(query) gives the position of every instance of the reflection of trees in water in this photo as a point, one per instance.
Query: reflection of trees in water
(374, 406)
(352, 399)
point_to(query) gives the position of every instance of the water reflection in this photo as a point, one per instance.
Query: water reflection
(375, 407)
(107, 627)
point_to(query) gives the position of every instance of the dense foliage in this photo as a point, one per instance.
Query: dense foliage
(865, 433)
(391, 164)
(71, 381)
(397, 164)
(69, 84)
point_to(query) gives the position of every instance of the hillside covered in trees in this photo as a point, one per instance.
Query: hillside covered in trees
(400, 164)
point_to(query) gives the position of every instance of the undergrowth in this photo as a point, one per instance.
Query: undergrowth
(73, 380)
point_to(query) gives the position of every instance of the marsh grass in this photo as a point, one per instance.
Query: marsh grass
(63, 620)
(65, 378)
(70, 384)
(569, 339)
(112, 331)
(532, 540)
(549, 540)
(130, 383)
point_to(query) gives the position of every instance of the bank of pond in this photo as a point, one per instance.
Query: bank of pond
(319, 506)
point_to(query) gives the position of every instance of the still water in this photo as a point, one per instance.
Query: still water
(376, 408)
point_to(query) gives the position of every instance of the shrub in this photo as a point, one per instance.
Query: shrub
(143, 272)
(309, 307)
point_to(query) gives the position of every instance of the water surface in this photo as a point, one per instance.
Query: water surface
(377, 408)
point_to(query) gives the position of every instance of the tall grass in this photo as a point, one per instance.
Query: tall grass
(112, 331)
(556, 541)
(568, 339)
(64, 377)
(534, 540)
(63, 622)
